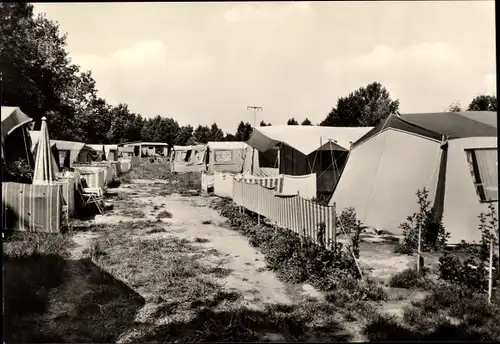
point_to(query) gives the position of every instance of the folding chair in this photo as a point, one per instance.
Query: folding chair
(91, 196)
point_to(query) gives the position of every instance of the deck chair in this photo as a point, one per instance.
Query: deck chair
(91, 196)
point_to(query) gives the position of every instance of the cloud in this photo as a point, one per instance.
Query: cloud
(248, 12)
(425, 76)
(143, 73)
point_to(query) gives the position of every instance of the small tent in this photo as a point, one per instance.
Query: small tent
(111, 152)
(226, 156)
(452, 155)
(16, 142)
(302, 150)
(66, 152)
(189, 158)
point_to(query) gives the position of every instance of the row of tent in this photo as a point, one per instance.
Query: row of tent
(51, 195)
(378, 170)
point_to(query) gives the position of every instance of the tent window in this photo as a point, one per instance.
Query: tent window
(484, 169)
(222, 156)
(181, 155)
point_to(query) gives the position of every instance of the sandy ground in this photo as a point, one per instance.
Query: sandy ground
(193, 218)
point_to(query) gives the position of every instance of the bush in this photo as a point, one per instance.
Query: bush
(472, 316)
(433, 234)
(408, 279)
(472, 273)
(328, 267)
(19, 171)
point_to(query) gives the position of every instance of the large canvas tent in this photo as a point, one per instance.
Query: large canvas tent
(226, 156)
(452, 155)
(16, 142)
(302, 150)
(67, 152)
(189, 158)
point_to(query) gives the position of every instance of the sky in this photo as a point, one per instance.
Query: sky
(206, 62)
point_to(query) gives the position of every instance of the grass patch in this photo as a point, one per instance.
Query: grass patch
(135, 213)
(29, 244)
(410, 279)
(201, 240)
(165, 214)
(156, 230)
(206, 222)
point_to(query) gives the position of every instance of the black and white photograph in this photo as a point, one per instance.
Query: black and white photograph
(289, 171)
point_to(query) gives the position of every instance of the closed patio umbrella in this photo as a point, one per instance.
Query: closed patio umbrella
(44, 167)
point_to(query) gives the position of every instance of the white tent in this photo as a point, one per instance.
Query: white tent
(226, 156)
(189, 158)
(389, 164)
(302, 150)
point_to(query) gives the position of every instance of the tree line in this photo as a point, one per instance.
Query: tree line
(38, 76)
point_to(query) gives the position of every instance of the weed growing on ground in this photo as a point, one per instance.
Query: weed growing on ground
(29, 244)
(201, 240)
(410, 279)
(165, 214)
(433, 234)
(156, 230)
(299, 260)
(473, 273)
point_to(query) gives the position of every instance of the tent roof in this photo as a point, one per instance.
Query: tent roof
(186, 148)
(111, 147)
(457, 124)
(126, 149)
(305, 139)
(227, 145)
(13, 118)
(70, 145)
(434, 126)
(154, 143)
(96, 147)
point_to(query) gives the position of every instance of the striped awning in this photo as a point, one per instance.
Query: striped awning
(44, 172)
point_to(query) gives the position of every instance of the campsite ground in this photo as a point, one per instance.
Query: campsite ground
(163, 265)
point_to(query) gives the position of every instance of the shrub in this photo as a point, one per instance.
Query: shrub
(472, 273)
(386, 328)
(472, 316)
(19, 171)
(409, 278)
(294, 258)
(433, 234)
(347, 220)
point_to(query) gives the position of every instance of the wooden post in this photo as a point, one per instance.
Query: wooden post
(490, 270)
(334, 225)
(419, 246)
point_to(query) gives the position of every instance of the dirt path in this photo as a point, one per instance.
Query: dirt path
(193, 219)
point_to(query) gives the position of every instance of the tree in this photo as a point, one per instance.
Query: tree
(184, 134)
(229, 137)
(292, 121)
(454, 107)
(216, 133)
(263, 124)
(483, 103)
(36, 71)
(363, 107)
(243, 131)
(306, 122)
(202, 134)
